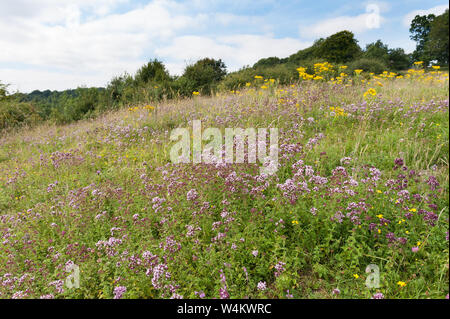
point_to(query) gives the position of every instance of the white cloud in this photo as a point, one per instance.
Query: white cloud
(236, 51)
(54, 11)
(435, 10)
(100, 43)
(372, 19)
(228, 19)
(63, 44)
(61, 37)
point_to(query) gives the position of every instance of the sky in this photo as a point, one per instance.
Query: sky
(63, 44)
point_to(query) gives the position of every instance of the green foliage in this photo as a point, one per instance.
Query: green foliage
(398, 59)
(420, 29)
(183, 86)
(118, 90)
(3, 91)
(14, 113)
(268, 62)
(80, 107)
(205, 74)
(340, 47)
(432, 37)
(368, 65)
(438, 37)
(377, 50)
(238, 79)
(153, 72)
(393, 59)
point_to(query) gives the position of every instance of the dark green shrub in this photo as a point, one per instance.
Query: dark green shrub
(117, 90)
(340, 47)
(268, 62)
(83, 105)
(204, 75)
(367, 65)
(153, 72)
(398, 60)
(238, 79)
(14, 113)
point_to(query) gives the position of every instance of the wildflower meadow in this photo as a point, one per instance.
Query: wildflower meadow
(357, 207)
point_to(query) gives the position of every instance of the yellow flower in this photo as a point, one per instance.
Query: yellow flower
(258, 77)
(295, 222)
(401, 283)
(358, 71)
(372, 92)
(263, 87)
(413, 210)
(195, 93)
(356, 276)
(436, 67)
(380, 216)
(343, 67)
(378, 191)
(247, 84)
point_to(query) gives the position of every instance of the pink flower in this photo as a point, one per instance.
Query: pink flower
(378, 295)
(262, 285)
(119, 291)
